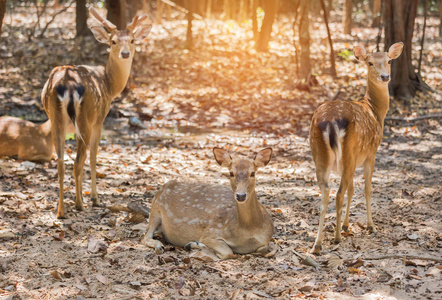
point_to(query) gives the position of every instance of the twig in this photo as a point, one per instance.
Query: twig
(53, 18)
(412, 119)
(436, 259)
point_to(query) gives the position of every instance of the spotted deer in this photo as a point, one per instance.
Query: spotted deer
(346, 134)
(83, 94)
(226, 220)
(25, 140)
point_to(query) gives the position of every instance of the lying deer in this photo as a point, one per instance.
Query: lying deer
(346, 134)
(83, 94)
(25, 140)
(194, 215)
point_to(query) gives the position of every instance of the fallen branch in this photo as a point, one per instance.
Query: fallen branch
(404, 256)
(412, 119)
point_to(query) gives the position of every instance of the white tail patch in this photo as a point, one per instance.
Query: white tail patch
(65, 97)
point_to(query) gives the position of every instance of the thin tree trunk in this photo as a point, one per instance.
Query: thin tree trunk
(304, 39)
(81, 18)
(116, 13)
(160, 7)
(423, 36)
(2, 13)
(440, 18)
(255, 20)
(348, 7)
(332, 52)
(376, 13)
(209, 9)
(270, 10)
(191, 9)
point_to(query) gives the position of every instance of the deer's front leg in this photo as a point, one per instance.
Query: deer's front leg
(368, 174)
(95, 141)
(222, 250)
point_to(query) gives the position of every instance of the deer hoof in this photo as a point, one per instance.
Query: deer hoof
(338, 240)
(79, 207)
(96, 203)
(345, 228)
(371, 229)
(316, 250)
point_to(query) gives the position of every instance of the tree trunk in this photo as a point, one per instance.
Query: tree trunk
(270, 9)
(116, 13)
(376, 13)
(190, 4)
(399, 18)
(440, 18)
(332, 52)
(81, 18)
(255, 20)
(2, 13)
(348, 7)
(304, 39)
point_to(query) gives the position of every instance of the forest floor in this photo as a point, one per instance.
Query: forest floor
(182, 104)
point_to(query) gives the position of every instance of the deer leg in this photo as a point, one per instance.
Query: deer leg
(79, 165)
(95, 140)
(346, 180)
(154, 223)
(368, 173)
(222, 250)
(323, 177)
(350, 192)
(58, 137)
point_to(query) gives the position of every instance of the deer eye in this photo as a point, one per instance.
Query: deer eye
(252, 174)
(370, 64)
(389, 62)
(231, 174)
(114, 42)
(132, 41)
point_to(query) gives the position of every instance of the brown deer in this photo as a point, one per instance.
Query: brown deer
(83, 94)
(25, 140)
(226, 220)
(346, 134)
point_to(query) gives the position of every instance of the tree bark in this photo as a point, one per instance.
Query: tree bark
(116, 13)
(304, 39)
(2, 13)
(440, 18)
(399, 19)
(270, 9)
(348, 7)
(190, 4)
(81, 18)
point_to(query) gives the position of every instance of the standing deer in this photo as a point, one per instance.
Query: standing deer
(194, 215)
(83, 94)
(346, 134)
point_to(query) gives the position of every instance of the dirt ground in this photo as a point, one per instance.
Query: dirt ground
(182, 104)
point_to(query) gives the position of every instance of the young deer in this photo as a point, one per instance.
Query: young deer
(25, 140)
(83, 94)
(226, 220)
(346, 134)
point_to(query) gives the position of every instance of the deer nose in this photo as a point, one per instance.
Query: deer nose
(241, 197)
(385, 77)
(125, 54)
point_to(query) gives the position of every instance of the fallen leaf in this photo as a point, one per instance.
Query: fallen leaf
(101, 278)
(95, 245)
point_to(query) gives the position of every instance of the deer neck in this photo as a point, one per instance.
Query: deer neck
(117, 73)
(249, 212)
(379, 98)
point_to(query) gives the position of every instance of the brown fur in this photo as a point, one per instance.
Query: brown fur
(83, 94)
(193, 215)
(345, 135)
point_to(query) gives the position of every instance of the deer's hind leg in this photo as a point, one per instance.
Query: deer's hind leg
(154, 224)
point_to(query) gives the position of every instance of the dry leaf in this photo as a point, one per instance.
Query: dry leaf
(101, 278)
(7, 235)
(137, 218)
(118, 208)
(95, 246)
(56, 275)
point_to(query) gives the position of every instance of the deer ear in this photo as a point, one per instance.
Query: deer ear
(263, 158)
(395, 50)
(100, 34)
(360, 53)
(222, 157)
(142, 32)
